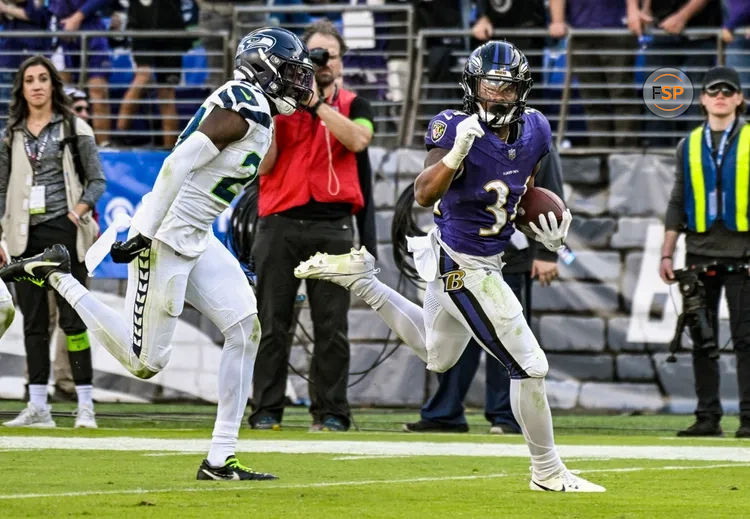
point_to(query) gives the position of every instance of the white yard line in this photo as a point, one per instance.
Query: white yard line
(381, 448)
(269, 486)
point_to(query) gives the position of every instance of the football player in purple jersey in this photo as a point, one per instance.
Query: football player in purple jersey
(480, 162)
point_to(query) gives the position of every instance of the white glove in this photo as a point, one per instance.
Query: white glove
(551, 235)
(466, 131)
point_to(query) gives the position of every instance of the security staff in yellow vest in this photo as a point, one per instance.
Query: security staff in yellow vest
(709, 202)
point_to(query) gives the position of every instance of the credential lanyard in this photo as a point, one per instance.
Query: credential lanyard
(36, 158)
(722, 143)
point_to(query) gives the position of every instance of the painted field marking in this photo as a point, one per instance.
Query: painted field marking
(255, 488)
(388, 448)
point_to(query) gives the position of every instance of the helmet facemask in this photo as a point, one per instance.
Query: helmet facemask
(497, 101)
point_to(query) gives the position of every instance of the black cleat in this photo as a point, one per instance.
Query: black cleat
(37, 268)
(232, 470)
(743, 431)
(702, 428)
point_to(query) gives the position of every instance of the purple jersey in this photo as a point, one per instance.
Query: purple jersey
(475, 214)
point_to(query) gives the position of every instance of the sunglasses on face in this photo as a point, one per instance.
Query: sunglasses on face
(725, 90)
(80, 109)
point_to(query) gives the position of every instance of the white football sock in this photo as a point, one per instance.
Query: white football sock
(531, 409)
(402, 316)
(84, 393)
(115, 336)
(235, 380)
(38, 395)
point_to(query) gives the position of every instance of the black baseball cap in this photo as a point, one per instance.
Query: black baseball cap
(718, 75)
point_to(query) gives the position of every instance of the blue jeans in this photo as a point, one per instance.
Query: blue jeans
(446, 405)
(739, 61)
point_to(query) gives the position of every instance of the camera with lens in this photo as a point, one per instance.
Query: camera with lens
(319, 56)
(695, 312)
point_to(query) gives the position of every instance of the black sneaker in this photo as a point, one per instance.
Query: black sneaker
(37, 268)
(743, 431)
(428, 426)
(232, 470)
(702, 428)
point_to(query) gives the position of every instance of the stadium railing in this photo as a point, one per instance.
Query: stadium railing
(390, 65)
(559, 94)
(378, 64)
(145, 125)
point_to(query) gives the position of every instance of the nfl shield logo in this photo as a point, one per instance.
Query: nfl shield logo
(438, 130)
(512, 153)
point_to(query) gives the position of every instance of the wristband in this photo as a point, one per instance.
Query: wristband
(666, 257)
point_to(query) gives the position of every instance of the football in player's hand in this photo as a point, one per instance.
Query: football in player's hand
(534, 202)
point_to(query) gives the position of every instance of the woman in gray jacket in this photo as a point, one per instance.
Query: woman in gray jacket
(46, 199)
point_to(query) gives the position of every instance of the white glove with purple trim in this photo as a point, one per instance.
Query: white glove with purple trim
(549, 233)
(466, 131)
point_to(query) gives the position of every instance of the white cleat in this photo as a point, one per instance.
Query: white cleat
(565, 481)
(32, 416)
(85, 418)
(342, 269)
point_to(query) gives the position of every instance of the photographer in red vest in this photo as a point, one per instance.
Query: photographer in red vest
(309, 190)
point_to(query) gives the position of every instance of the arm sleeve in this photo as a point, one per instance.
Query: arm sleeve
(194, 152)
(675, 217)
(361, 112)
(92, 170)
(366, 217)
(482, 8)
(548, 177)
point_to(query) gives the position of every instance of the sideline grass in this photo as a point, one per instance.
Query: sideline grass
(65, 483)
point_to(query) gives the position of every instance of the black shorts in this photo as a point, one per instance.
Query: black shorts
(151, 53)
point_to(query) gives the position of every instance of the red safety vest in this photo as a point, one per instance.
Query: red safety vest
(304, 169)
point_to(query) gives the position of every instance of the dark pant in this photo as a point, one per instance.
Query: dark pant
(280, 244)
(705, 368)
(446, 405)
(612, 87)
(33, 303)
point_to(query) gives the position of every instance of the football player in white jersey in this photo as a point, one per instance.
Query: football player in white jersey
(174, 256)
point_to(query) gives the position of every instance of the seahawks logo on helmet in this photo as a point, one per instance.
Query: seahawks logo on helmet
(261, 41)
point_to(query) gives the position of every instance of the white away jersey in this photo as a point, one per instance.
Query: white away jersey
(209, 190)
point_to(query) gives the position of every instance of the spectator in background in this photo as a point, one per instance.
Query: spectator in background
(55, 209)
(309, 190)
(737, 14)
(23, 15)
(602, 53)
(715, 234)
(79, 103)
(81, 15)
(694, 53)
(215, 16)
(62, 375)
(152, 63)
(513, 14)
(524, 261)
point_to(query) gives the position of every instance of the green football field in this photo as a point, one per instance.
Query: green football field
(143, 460)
